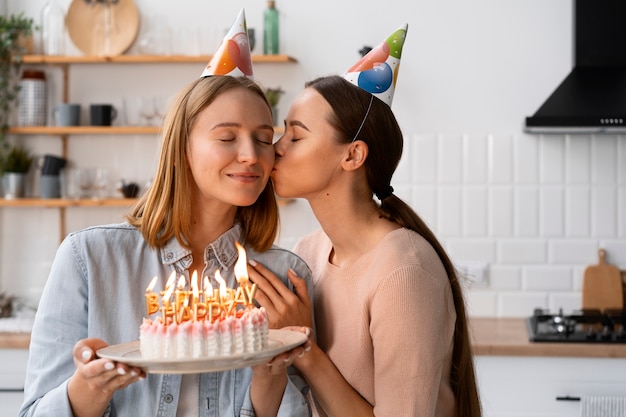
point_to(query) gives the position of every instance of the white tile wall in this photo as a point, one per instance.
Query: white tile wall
(534, 208)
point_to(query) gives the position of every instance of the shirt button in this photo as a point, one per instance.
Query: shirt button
(170, 255)
(168, 398)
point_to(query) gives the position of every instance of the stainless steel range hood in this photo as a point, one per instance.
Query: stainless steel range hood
(592, 98)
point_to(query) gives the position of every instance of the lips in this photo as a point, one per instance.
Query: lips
(247, 177)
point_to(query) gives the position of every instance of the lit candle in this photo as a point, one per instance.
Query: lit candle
(152, 299)
(208, 290)
(199, 308)
(241, 273)
(241, 266)
(166, 308)
(181, 294)
(223, 290)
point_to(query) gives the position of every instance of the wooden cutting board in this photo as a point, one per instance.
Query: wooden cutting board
(602, 286)
(88, 21)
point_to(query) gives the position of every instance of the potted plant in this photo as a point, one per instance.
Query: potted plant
(14, 165)
(273, 97)
(15, 31)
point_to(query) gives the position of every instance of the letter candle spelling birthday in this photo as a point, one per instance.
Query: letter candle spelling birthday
(210, 304)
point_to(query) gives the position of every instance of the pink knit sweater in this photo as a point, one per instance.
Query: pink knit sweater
(387, 322)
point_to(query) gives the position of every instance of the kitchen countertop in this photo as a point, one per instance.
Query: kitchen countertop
(509, 337)
(14, 340)
(490, 337)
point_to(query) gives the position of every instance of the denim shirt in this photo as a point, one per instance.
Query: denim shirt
(96, 289)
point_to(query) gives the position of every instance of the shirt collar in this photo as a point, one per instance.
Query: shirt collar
(222, 249)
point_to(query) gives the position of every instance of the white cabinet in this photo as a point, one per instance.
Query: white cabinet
(12, 375)
(528, 386)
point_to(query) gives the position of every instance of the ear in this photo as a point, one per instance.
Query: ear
(356, 155)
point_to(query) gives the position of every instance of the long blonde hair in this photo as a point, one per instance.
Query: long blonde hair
(165, 209)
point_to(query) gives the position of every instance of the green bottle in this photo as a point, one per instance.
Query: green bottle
(270, 29)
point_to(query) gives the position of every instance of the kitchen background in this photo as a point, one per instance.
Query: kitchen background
(521, 214)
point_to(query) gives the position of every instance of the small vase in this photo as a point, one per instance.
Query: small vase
(13, 184)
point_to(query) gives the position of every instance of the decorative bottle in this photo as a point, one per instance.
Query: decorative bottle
(270, 29)
(32, 99)
(53, 29)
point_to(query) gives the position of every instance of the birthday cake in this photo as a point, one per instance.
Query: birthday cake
(194, 322)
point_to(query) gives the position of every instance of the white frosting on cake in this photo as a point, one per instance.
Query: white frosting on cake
(201, 339)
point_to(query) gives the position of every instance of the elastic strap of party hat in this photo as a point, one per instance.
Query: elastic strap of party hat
(364, 118)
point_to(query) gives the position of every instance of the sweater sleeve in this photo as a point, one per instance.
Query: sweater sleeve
(411, 325)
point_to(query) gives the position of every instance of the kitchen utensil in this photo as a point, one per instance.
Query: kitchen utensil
(602, 286)
(105, 27)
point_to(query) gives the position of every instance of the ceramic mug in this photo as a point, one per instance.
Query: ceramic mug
(66, 114)
(102, 114)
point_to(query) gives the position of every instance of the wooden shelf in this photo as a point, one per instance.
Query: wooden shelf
(84, 130)
(87, 202)
(94, 130)
(143, 59)
(64, 202)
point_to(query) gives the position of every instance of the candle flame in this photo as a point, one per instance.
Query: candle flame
(241, 266)
(170, 280)
(152, 284)
(220, 280)
(194, 284)
(168, 293)
(181, 282)
(208, 288)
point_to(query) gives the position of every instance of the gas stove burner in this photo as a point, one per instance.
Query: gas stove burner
(581, 326)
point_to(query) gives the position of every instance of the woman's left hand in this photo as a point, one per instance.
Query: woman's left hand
(284, 307)
(279, 363)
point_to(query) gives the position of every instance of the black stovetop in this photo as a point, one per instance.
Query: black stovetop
(581, 326)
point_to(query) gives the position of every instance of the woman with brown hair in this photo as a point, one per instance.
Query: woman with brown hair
(392, 331)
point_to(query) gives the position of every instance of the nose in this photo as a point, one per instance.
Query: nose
(247, 152)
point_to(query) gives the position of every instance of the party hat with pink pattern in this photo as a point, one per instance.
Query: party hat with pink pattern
(233, 55)
(377, 72)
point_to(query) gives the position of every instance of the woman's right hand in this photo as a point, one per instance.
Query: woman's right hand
(284, 307)
(95, 381)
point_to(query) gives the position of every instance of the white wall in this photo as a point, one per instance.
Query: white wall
(535, 208)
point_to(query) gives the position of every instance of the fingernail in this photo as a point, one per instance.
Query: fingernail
(306, 349)
(86, 354)
(302, 353)
(307, 331)
(287, 360)
(133, 373)
(252, 262)
(293, 272)
(109, 366)
(121, 371)
(269, 364)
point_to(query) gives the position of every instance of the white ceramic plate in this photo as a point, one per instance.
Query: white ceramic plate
(129, 353)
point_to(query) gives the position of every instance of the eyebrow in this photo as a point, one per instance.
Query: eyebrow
(299, 123)
(232, 124)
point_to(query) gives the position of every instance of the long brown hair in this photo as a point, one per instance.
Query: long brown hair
(165, 209)
(383, 136)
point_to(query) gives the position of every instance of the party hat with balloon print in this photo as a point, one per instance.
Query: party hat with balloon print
(377, 72)
(233, 55)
